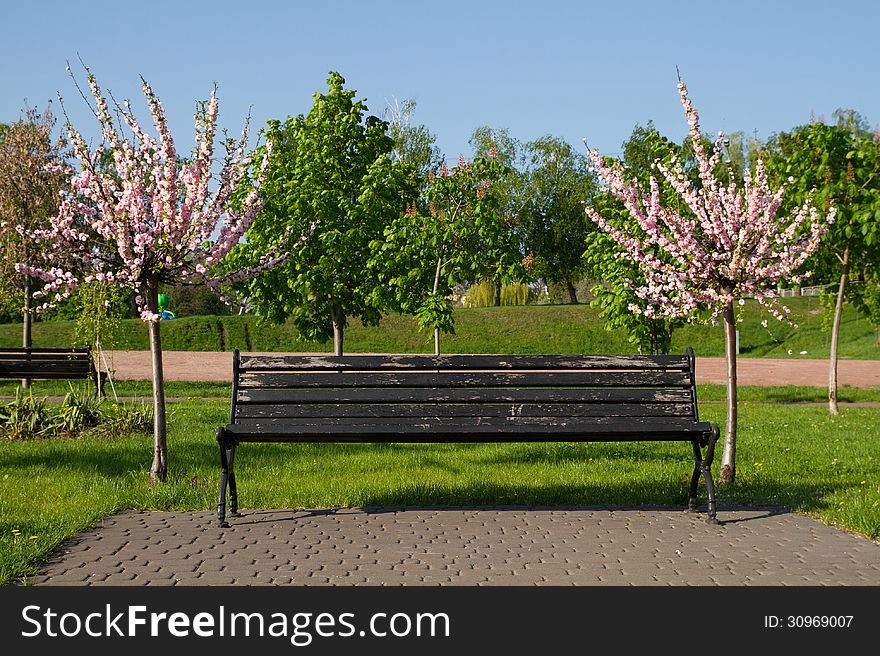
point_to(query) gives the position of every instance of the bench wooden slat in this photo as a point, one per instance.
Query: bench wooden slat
(432, 395)
(13, 351)
(463, 379)
(44, 357)
(74, 365)
(466, 410)
(44, 373)
(467, 362)
(457, 429)
(400, 424)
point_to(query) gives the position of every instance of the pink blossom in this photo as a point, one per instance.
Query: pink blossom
(728, 243)
(151, 216)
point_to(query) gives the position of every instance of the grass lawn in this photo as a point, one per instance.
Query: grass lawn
(536, 329)
(792, 456)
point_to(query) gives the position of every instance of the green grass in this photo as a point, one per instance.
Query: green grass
(537, 329)
(790, 456)
(135, 389)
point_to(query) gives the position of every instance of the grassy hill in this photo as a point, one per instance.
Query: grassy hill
(561, 329)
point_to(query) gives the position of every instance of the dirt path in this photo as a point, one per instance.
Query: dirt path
(204, 366)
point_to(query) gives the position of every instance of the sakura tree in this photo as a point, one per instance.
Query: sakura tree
(137, 214)
(721, 243)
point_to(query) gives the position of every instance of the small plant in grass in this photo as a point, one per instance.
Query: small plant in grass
(127, 418)
(29, 417)
(25, 417)
(77, 413)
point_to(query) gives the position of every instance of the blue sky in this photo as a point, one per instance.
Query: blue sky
(571, 69)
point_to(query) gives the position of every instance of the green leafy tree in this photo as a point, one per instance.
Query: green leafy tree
(331, 172)
(553, 223)
(510, 189)
(838, 165)
(424, 254)
(29, 187)
(866, 297)
(414, 145)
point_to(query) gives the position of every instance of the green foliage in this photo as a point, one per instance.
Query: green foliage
(865, 296)
(195, 300)
(329, 171)
(100, 305)
(423, 255)
(554, 225)
(29, 417)
(839, 167)
(435, 312)
(24, 418)
(77, 413)
(126, 418)
(29, 186)
(614, 297)
(414, 145)
(482, 294)
(509, 188)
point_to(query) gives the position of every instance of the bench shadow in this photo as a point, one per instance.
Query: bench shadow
(648, 497)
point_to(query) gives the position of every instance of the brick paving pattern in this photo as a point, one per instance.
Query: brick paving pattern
(465, 547)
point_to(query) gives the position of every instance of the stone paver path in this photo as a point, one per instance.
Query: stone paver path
(465, 546)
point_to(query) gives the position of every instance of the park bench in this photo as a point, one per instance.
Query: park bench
(464, 398)
(50, 364)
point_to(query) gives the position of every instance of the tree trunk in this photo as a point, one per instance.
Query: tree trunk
(835, 334)
(26, 324)
(336, 314)
(436, 341)
(497, 293)
(727, 475)
(437, 271)
(159, 468)
(569, 285)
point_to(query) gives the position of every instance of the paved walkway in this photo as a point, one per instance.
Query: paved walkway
(466, 547)
(203, 366)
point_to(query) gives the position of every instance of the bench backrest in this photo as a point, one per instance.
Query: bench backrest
(404, 386)
(46, 363)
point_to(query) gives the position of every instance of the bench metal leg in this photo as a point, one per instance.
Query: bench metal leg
(233, 493)
(224, 478)
(703, 467)
(227, 480)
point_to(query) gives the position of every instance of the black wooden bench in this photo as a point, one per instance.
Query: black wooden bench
(51, 364)
(464, 398)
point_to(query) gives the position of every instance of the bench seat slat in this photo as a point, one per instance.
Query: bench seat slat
(465, 379)
(44, 373)
(446, 428)
(431, 395)
(249, 411)
(467, 362)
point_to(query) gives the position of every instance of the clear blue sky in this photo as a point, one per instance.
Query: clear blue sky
(570, 69)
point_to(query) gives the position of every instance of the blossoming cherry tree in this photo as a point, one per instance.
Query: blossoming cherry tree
(722, 243)
(137, 214)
